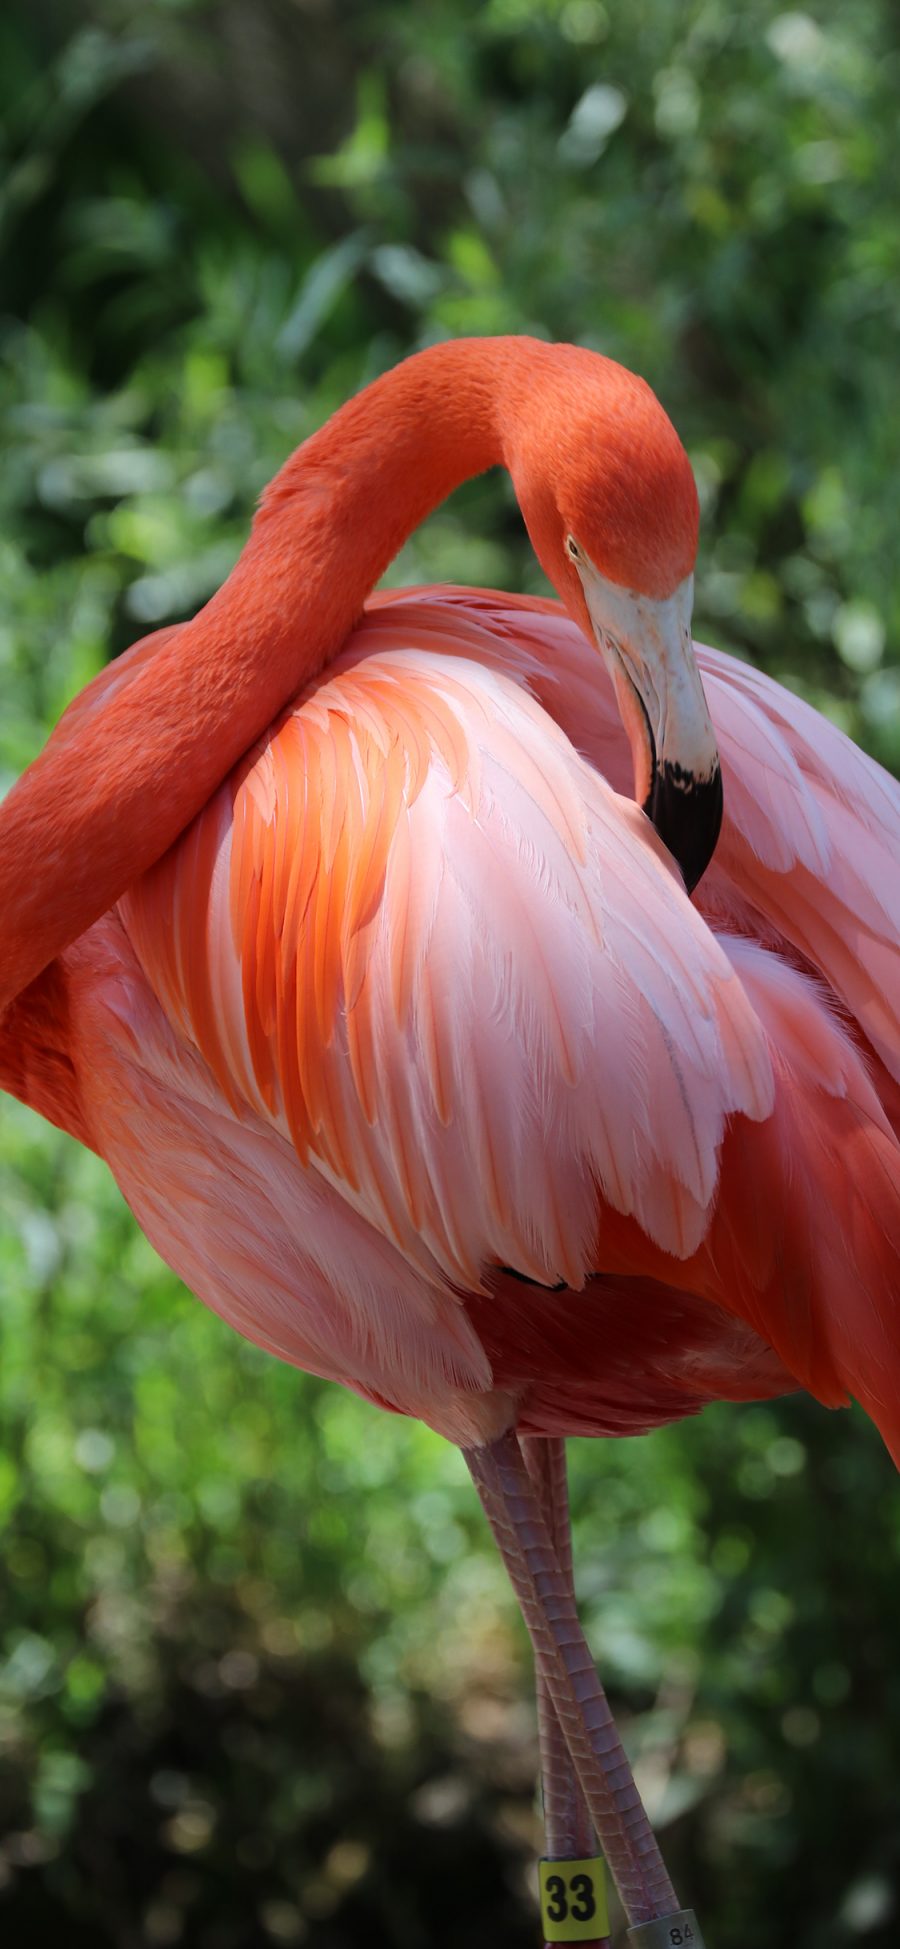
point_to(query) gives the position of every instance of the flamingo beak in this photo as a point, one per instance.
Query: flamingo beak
(647, 648)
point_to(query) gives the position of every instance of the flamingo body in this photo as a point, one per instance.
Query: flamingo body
(417, 1004)
(334, 929)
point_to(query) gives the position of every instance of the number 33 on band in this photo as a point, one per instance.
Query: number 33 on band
(573, 1900)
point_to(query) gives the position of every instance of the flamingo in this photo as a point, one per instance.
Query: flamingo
(355, 932)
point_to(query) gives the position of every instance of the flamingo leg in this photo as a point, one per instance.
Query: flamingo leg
(568, 1828)
(523, 1537)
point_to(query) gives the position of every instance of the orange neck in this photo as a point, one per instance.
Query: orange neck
(110, 795)
(35, 1060)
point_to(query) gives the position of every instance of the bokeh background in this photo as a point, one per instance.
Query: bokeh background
(261, 1679)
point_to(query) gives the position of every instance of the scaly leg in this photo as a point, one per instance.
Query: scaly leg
(568, 1827)
(503, 1483)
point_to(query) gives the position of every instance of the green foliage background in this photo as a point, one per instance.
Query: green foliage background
(261, 1680)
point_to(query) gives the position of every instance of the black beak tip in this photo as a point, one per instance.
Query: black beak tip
(687, 814)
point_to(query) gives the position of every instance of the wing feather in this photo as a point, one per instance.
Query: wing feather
(814, 861)
(471, 989)
(807, 857)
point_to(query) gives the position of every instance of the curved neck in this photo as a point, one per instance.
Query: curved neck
(109, 795)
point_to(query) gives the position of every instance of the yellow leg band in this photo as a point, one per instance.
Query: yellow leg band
(573, 1900)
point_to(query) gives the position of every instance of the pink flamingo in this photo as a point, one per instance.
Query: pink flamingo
(329, 923)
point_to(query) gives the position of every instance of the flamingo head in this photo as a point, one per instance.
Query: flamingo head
(609, 498)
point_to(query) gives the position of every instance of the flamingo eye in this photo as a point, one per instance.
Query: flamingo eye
(573, 550)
